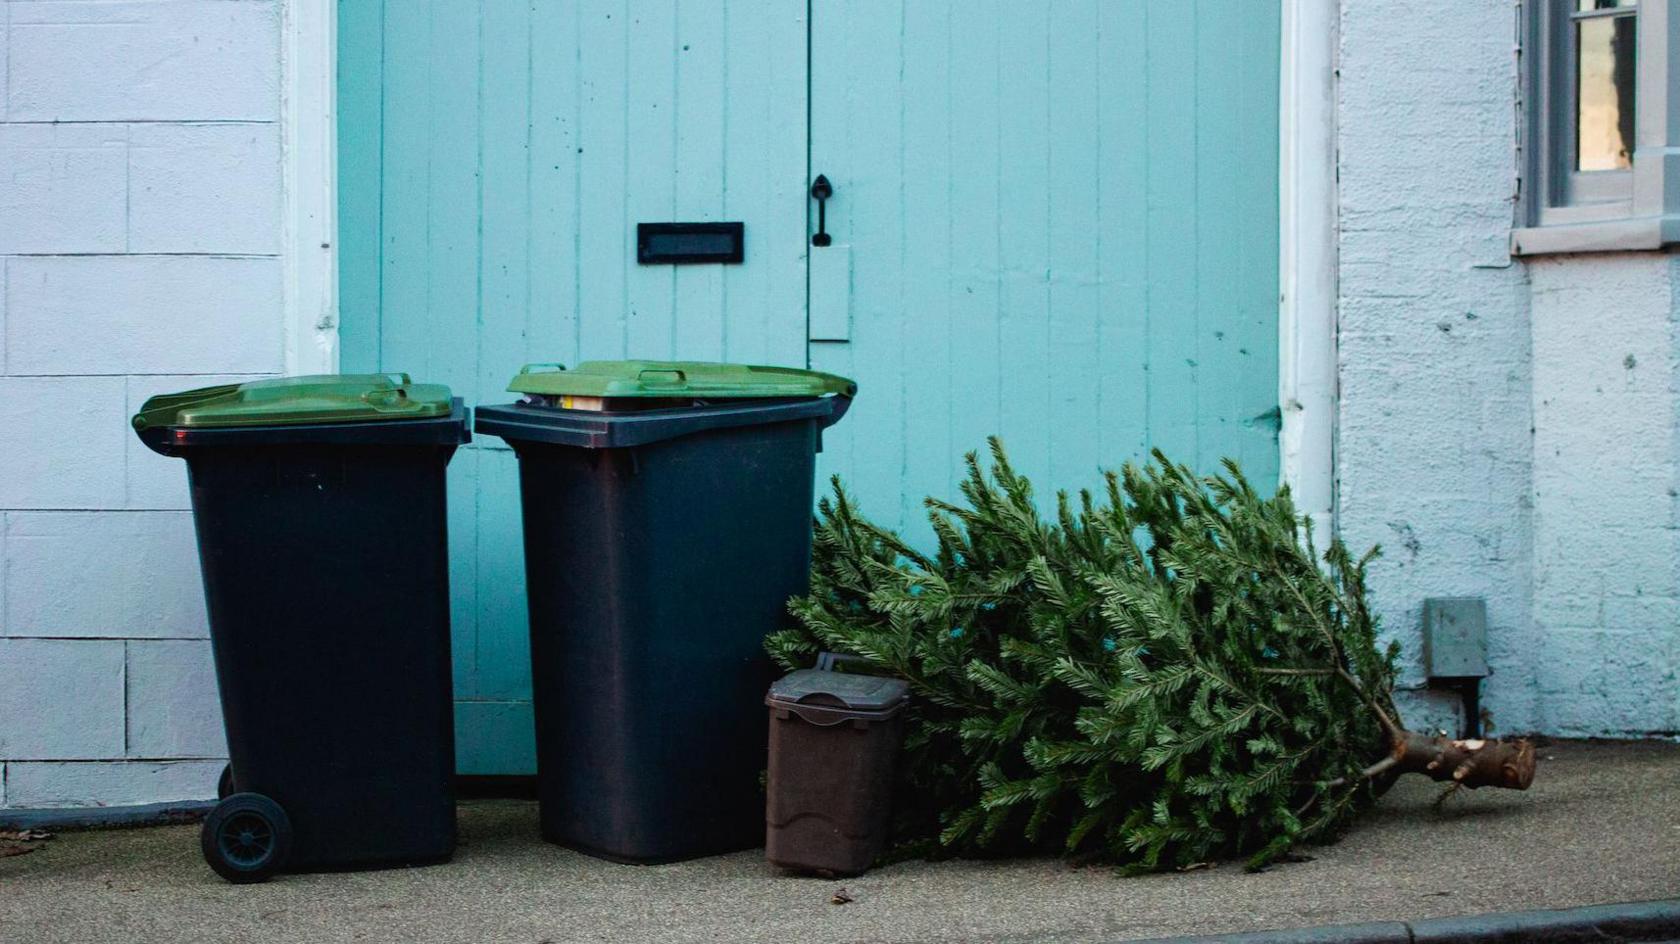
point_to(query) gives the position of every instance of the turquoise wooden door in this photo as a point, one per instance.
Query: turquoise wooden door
(494, 158)
(1057, 222)
(1053, 221)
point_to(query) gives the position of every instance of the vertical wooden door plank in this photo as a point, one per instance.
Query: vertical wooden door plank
(1022, 116)
(652, 101)
(1123, 239)
(925, 303)
(444, 336)
(784, 246)
(1256, 308)
(754, 171)
(1228, 375)
(361, 52)
(874, 208)
(1170, 74)
(1075, 238)
(832, 131)
(504, 222)
(551, 317)
(405, 192)
(603, 219)
(503, 230)
(973, 87)
(764, 160)
(450, 342)
(702, 114)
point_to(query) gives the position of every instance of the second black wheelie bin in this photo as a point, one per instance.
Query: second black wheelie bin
(319, 506)
(667, 517)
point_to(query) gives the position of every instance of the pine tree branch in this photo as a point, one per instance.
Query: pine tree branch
(1394, 731)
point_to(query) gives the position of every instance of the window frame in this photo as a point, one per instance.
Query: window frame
(1579, 195)
(1649, 216)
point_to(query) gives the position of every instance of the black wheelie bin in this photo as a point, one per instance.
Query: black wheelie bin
(319, 506)
(667, 518)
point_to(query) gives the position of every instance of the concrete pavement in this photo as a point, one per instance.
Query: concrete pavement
(1601, 824)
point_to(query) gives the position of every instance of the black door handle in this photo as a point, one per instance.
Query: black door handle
(821, 190)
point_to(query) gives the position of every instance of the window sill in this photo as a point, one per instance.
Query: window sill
(1623, 235)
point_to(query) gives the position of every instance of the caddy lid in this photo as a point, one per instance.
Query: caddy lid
(819, 688)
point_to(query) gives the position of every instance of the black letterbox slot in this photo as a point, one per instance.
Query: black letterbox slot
(688, 243)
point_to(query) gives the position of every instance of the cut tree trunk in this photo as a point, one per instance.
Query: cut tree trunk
(1468, 763)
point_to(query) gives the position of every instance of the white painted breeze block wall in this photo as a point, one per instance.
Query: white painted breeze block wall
(140, 252)
(1507, 427)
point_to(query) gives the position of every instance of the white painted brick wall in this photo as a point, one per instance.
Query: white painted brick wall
(1508, 428)
(140, 241)
(1433, 447)
(1606, 516)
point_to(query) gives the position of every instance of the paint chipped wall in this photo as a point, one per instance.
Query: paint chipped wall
(1491, 435)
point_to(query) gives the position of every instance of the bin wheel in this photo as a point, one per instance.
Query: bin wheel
(246, 838)
(224, 783)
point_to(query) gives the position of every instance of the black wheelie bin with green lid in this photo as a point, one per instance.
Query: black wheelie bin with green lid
(667, 518)
(320, 511)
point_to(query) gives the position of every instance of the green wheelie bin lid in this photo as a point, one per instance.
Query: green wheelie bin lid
(699, 380)
(285, 401)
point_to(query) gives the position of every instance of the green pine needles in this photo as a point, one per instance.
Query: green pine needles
(1159, 677)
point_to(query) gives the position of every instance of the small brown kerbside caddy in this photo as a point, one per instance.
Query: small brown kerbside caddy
(834, 740)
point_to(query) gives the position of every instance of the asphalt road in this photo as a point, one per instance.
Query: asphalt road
(1601, 824)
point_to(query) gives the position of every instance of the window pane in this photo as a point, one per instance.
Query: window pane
(1587, 6)
(1604, 57)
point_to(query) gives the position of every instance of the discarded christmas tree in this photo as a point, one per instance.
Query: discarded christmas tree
(1164, 676)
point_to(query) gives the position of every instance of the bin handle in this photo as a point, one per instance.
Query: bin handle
(402, 379)
(662, 375)
(843, 389)
(836, 384)
(530, 368)
(388, 401)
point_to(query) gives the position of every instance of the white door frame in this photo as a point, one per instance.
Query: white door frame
(1307, 219)
(309, 188)
(1307, 256)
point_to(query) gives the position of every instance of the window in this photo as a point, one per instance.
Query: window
(1598, 137)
